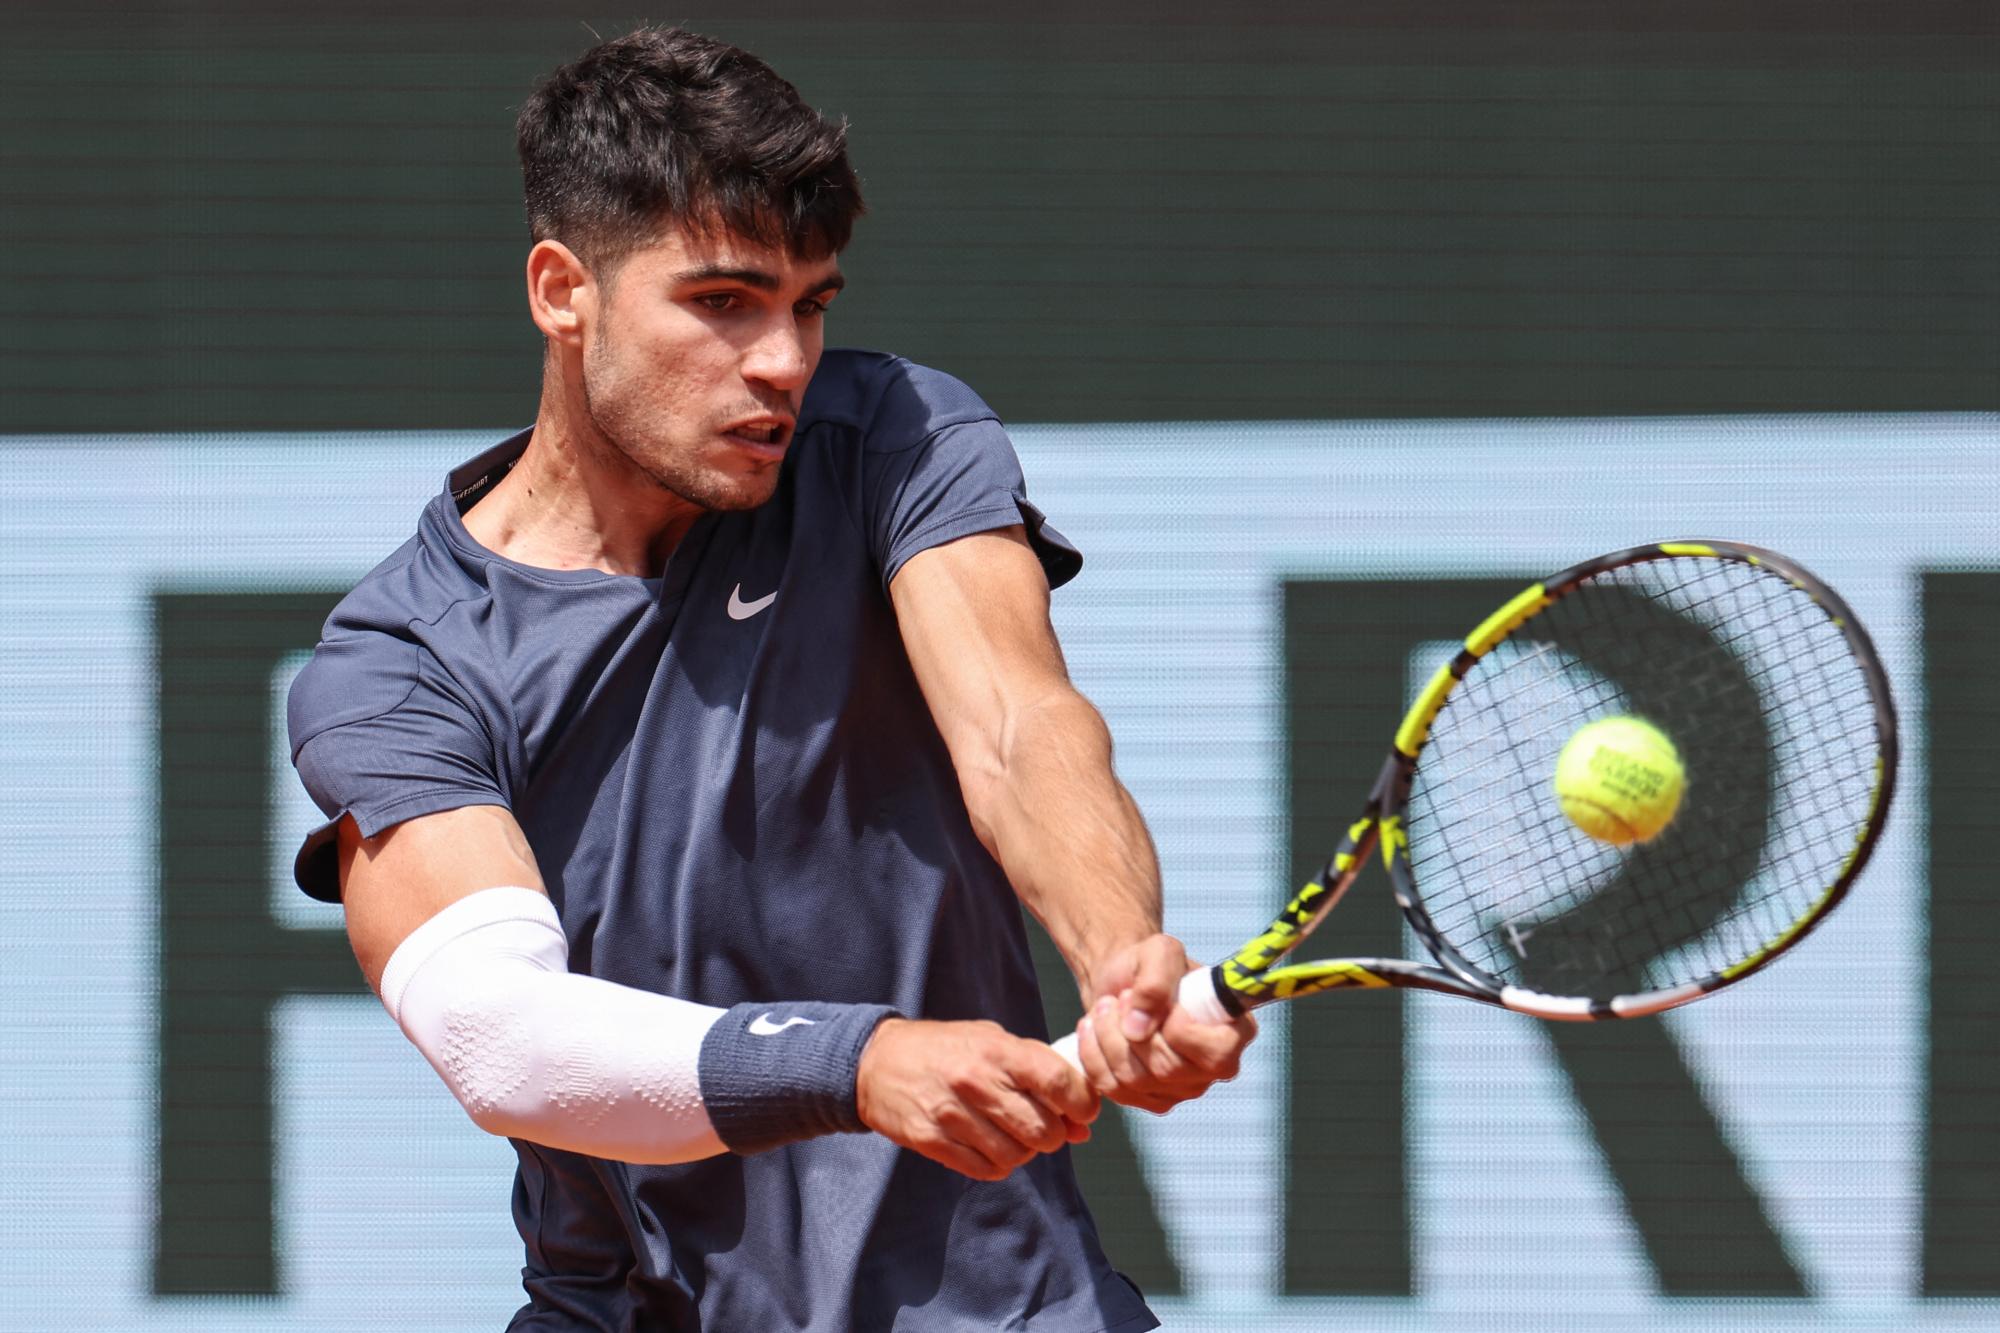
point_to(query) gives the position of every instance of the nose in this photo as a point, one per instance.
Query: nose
(782, 355)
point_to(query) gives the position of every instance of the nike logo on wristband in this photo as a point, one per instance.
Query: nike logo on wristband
(762, 1026)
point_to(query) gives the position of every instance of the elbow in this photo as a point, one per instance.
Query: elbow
(499, 1121)
(484, 1058)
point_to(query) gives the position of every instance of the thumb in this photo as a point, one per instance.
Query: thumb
(1158, 963)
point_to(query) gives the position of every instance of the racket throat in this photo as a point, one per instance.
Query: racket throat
(1239, 981)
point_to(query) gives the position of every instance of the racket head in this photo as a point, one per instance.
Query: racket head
(1777, 702)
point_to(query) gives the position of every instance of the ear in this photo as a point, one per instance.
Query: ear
(562, 296)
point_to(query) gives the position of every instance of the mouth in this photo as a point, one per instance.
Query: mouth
(761, 437)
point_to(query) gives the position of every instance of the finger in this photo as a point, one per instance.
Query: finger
(1025, 1120)
(1163, 1064)
(966, 1161)
(970, 1127)
(1212, 1050)
(1127, 1073)
(1055, 1083)
(1159, 964)
(1096, 1070)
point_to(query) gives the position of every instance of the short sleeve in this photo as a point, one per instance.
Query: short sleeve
(939, 466)
(380, 732)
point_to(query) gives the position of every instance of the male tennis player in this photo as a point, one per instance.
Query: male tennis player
(683, 768)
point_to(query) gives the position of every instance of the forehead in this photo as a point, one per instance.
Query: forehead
(679, 253)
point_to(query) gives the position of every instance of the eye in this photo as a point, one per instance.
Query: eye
(720, 302)
(813, 307)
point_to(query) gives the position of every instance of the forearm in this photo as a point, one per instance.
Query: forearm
(1068, 834)
(534, 1051)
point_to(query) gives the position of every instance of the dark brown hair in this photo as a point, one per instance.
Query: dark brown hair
(664, 127)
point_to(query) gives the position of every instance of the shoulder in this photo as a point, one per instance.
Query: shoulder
(891, 402)
(373, 648)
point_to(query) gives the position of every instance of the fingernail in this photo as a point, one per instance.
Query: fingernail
(1105, 1007)
(1138, 1024)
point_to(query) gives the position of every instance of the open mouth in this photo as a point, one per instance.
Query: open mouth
(760, 437)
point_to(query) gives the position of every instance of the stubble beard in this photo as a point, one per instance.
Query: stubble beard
(684, 480)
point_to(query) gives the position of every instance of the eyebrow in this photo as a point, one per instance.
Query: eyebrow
(762, 280)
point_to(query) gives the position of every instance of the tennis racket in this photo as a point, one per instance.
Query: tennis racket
(1778, 706)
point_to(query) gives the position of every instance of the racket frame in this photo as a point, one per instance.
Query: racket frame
(1254, 975)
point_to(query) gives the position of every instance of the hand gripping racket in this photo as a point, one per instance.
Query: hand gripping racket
(1772, 695)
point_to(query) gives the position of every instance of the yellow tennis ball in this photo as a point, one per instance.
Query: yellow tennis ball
(1620, 779)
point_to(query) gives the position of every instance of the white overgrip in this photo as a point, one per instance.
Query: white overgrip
(1196, 995)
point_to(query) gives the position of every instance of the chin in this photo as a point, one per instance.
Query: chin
(726, 491)
(750, 496)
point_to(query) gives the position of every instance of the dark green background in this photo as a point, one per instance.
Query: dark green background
(259, 215)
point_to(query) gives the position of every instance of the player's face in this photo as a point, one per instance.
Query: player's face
(697, 360)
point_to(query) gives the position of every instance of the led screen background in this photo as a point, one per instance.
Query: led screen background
(1249, 630)
(1315, 327)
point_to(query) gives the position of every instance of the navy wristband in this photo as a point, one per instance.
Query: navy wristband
(773, 1074)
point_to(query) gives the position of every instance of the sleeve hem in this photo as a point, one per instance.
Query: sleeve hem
(987, 519)
(316, 867)
(430, 801)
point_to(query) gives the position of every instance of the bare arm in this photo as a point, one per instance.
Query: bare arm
(1033, 759)
(1033, 756)
(393, 883)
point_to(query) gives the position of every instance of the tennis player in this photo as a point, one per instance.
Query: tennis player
(683, 770)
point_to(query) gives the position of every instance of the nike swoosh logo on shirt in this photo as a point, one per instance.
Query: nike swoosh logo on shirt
(762, 1026)
(742, 610)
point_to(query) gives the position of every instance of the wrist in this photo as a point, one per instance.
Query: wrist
(773, 1074)
(872, 1055)
(1101, 951)
(1107, 967)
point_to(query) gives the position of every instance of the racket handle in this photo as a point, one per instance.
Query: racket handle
(1196, 995)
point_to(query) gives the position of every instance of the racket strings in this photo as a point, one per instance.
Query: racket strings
(1774, 720)
(1682, 918)
(1684, 914)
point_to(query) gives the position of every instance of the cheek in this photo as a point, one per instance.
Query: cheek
(636, 372)
(677, 356)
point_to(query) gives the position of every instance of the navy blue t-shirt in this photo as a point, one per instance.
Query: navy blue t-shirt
(735, 792)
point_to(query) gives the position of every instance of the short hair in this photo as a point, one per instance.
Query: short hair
(664, 127)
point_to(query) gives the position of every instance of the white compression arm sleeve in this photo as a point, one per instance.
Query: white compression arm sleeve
(535, 1051)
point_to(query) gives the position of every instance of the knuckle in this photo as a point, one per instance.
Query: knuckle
(1012, 1128)
(964, 1078)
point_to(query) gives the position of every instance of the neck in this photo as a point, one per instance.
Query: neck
(575, 501)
